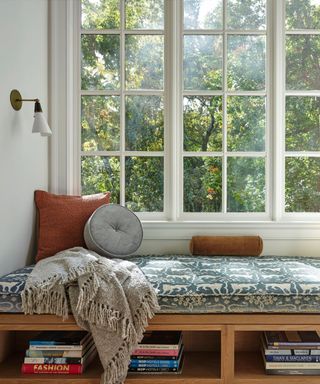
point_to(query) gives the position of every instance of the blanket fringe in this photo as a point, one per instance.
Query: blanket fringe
(45, 301)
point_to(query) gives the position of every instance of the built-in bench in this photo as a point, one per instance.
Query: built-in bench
(211, 299)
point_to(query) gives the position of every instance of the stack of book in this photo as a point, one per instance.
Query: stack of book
(59, 353)
(158, 352)
(291, 353)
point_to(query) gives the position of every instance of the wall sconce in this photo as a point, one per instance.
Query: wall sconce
(40, 124)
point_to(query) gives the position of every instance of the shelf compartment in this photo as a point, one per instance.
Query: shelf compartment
(249, 369)
(199, 368)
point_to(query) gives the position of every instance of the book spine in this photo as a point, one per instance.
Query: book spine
(158, 346)
(294, 358)
(149, 369)
(301, 352)
(286, 365)
(53, 360)
(282, 352)
(65, 369)
(154, 363)
(50, 353)
(155, 352)
(155, 357)
(300, 372)
(56, 347)
(301, 345)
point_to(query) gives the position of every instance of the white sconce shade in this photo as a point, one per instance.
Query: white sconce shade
(40, 125)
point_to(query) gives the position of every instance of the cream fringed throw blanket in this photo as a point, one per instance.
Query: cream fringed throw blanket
(110, 298)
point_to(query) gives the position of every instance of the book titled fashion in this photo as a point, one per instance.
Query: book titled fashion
(65, 369)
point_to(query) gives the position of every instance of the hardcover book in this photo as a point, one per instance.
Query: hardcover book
(292, 339)
(158, 370)
(60, 338)
(285, 351)
(61, 360)
(161, 340)
(65, 369)
(156, 352)
(156, 363)
(63, 347)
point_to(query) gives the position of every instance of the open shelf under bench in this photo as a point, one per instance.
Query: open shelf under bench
(199, 367)
(223, 348)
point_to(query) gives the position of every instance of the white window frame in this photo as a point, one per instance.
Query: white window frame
(65, 143)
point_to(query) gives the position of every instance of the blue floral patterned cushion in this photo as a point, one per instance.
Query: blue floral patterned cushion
(14, 282)
(199, 284)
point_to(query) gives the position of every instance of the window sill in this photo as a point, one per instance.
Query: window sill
(168, 230)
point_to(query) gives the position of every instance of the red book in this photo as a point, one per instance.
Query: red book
(64, 369)
(156, 352)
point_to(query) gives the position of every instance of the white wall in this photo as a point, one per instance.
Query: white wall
(23, 155)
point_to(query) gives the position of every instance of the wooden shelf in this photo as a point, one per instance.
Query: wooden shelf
(199, 368)
(249, 369)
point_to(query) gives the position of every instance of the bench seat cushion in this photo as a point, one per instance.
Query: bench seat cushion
(199, 284)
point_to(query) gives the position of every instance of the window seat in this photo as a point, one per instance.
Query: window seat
(199, 284)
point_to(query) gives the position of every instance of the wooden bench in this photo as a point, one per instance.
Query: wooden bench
(220, 348)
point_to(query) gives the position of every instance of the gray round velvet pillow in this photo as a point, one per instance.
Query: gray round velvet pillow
(113, 231)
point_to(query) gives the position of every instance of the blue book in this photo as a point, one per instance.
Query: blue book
(48, 338)
(293, 358)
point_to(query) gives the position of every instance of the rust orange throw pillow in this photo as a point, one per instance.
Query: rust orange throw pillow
(61, 220)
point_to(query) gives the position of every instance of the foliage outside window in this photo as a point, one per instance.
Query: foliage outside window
(302, 157)
(223, 157)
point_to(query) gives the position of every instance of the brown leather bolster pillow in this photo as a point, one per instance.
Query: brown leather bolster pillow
(226, 245)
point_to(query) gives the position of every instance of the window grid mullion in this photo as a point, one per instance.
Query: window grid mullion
(224, 109)
(122, 103)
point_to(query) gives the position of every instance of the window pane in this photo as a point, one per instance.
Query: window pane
(303, 184)
(302, 123)
(144, 123)
(100, 123)
(246, 184)
(100, 62)
(202, 62)
(202, 184)
(303, 61)
(147, 14)
(246, 62)
(144, 184)
(202, 122)
(144, 62)
(246, 123)
(101, 174)
(248, 14)
(303, 14)
(100, 14)
(203, 14)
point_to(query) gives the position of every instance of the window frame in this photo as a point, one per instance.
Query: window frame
(65, 143)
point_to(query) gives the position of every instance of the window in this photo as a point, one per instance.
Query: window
(122, 98)
(178, 107)
(302, 119)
